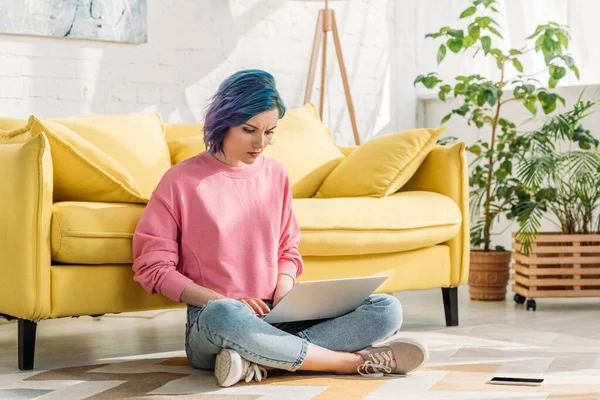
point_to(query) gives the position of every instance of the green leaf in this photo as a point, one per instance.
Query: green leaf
(459, 87)
(445, 89)
(575, 70)
(468, 41)
(441, 54)
(418, 79)
(517, 64)
(539, 43)
(531, 107)
(497, 53)
(549, 44)
(468, 12)
(563, 39)
(490, 97)
(557, 72)
(495, 32)
(484, 22)
(455, 44)
(486, 43)
(474, 31)
(476, 150)
(462, 110)
(446, 118)
(457, 33)
(537, 31)
(549, 57)
(568, 60)
(430, 81)
(548, 102)
(552, 83)
(528, 88)
(514, 52)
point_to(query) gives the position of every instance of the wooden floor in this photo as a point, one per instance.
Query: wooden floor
(78, 341)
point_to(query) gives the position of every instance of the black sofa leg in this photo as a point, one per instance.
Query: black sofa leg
(26, 344)
(450, 296)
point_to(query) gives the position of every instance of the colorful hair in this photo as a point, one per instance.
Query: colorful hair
(239, 98)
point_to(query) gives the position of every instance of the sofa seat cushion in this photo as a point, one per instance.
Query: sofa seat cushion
(93, 233)
(368, 225)
(100, 233)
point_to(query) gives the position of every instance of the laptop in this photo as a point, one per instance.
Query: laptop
(323, 299)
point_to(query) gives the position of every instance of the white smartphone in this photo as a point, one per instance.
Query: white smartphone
(502, 380)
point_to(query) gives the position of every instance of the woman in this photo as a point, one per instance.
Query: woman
(219, 234)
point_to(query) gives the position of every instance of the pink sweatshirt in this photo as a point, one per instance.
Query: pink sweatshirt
(230, 229)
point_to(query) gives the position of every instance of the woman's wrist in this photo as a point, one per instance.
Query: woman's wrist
(199, 296)
(285, 278)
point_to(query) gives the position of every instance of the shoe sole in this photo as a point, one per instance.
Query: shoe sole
(228, 365)
(417, 345)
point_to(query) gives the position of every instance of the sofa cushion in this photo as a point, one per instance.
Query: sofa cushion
(93, 233)
(367, 225)
(381, 166)
(186, 147)
(10, 124)
(80, 170)
(101, 233)
(182, 131)
(135, 141)
(304, 146)
(301, 143)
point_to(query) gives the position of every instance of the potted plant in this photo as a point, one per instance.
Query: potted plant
(563, 184)
(492, 182)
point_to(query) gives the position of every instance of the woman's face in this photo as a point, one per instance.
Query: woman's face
(243, 144)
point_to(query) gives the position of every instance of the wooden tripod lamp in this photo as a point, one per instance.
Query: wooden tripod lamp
(326, 23)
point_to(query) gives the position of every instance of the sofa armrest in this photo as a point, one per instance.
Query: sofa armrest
(445, 171)
(26, 204)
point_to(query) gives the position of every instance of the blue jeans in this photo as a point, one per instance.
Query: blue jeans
(228, 323)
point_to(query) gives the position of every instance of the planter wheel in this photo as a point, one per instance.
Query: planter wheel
(531, 304)
(519, 299)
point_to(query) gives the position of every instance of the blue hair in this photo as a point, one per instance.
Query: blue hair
(239, 98)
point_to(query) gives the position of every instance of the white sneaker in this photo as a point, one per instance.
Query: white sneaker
(230, 368)
(399, 356)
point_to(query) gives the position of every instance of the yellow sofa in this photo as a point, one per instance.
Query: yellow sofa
(62, 257)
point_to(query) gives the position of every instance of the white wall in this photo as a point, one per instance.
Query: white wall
(193, 45)
(520, 20)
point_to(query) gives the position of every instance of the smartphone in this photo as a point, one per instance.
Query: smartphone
(501, 380)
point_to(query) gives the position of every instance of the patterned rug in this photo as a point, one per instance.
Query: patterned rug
(462, 361)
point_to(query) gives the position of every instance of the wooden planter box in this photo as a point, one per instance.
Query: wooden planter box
(558, 265)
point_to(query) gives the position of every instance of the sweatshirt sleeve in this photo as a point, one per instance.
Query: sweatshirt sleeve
(156, 251)
(290, 261)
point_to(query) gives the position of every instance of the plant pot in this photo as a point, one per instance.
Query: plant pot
(559, 265)
(488, 275)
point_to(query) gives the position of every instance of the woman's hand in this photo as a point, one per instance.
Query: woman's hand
(257, 306)
(285, 283)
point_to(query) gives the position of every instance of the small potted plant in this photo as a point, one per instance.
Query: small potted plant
(492, 181)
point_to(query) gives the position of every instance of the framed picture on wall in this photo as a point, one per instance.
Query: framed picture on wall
(109, 20)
